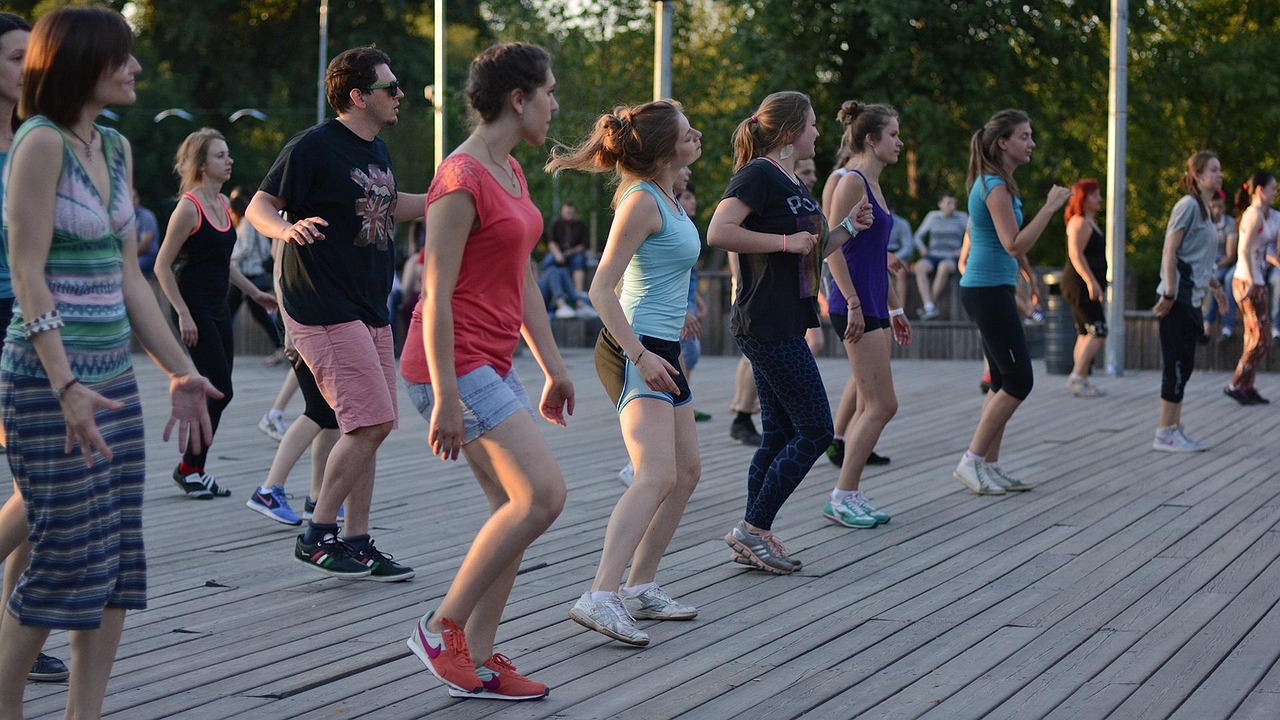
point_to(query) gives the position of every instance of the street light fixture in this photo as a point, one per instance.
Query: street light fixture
(254, 113)
(174, 112)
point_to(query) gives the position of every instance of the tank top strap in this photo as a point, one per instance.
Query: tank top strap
(204, 215)
(867, 186)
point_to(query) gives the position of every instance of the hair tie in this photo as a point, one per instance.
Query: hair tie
(752, 120)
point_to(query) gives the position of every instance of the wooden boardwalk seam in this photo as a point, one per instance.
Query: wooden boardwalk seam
(1128, 584)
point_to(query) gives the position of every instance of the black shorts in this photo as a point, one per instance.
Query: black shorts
(621, 379)
(840, 323)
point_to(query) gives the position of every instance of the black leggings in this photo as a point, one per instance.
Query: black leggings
(213, 356)
(1180, 330)
(995, 311)
(317, 408)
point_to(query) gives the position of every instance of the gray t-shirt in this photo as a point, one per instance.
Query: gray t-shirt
(946, 234)
(1195, 255)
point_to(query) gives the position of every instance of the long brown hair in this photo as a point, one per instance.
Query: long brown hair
(778, 120)
(985, 155)
(631, 142)
(1188, 183)
(192, 154)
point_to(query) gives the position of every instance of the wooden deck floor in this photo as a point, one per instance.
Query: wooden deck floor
(1129, 584)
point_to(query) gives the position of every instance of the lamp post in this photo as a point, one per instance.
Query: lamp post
(324, 44)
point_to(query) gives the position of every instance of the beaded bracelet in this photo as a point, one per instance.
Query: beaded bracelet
(42, 323)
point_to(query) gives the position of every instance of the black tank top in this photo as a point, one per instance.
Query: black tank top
(204, 264)
(1095, 256)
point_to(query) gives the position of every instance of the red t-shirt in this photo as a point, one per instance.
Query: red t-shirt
(488, 299)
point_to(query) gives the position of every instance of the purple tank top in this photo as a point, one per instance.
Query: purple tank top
(867, 256)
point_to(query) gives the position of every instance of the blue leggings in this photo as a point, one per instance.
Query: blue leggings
(795, 423)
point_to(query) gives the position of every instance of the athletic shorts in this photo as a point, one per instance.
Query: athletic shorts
(621, 378)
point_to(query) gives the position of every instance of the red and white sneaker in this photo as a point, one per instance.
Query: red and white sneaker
(502, 682)
(446, 655)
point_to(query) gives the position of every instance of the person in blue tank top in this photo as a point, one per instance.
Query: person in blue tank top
(865, 309)
(997, 238)
(652, 246)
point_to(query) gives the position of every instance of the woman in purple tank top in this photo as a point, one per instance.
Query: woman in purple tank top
(864, 308)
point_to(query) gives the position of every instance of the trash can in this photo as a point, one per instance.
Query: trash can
(1059, 329)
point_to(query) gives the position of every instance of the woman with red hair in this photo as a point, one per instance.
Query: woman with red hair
(1084, 282)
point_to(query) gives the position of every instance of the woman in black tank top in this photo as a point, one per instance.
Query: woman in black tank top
(194, 268)
(1084, 282)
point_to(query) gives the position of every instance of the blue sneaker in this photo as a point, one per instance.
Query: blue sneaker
(309, 506)
(274, 504)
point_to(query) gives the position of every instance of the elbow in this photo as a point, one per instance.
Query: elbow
(715, 238)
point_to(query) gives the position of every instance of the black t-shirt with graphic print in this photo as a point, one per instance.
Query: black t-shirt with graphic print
(777, 292)
(327, 171)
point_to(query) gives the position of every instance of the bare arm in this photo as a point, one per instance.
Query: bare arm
(448, 225)
(1020, 241)
(409, 206)
(557, 392)
(182, 222)
(264, 213)
(726, 232)
(1078, 233)
(1169, 268)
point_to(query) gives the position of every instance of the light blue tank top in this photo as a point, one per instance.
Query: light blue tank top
(989, 265)
(655, 286)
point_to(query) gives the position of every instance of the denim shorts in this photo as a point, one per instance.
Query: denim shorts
(487, 400)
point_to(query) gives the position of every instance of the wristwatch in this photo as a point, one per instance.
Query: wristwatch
(58, 392)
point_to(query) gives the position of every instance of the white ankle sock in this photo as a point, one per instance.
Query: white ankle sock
(637, 590)
(838, 496)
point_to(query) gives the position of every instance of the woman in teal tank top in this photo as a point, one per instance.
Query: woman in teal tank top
(652, 246)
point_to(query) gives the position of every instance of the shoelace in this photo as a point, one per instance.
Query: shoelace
(614, 603)
(501, 663)
(775, 545)
(376, 554)
(456, 642)
(657, 592)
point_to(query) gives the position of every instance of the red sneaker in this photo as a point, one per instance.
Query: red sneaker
(502, 682)
(446, 655)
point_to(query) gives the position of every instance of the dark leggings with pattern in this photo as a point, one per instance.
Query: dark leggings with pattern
(795, 423)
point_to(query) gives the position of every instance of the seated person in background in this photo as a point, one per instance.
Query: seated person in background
(558, 293)
(901, 247)
(945, 228)
(567, 244)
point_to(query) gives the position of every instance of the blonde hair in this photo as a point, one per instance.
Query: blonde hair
(779, 119)
(631, 142)
(188, 162)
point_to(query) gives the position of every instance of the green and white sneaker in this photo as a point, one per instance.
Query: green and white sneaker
(656, 604)
(608, 617)
(1007, 481)
(879, 515)
(849, 513)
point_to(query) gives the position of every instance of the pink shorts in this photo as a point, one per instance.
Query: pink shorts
(355, 368)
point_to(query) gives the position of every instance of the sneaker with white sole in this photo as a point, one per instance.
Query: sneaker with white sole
(199, 485)
(1173, 439)
(1007, 481)
(879, 515)
(501, 682)
(973, 474)
(763, 550)
(608, 617)
(849, 513)
(274, 503)
(446, 655)
(656, 604)
(272, 427)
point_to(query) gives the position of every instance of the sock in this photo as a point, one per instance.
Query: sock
(600, 595)
(315, 533)
(359, 543)
(275, 414)
(838, 496)
(638, 590)
(930, 307)
(837, 438)
(969, 455)
(184, 469)
(1075, 376)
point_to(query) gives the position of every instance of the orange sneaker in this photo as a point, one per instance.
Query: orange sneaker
(502, 682)
(445, 654)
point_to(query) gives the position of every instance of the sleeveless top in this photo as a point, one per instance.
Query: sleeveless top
(6, 280)
(1253, 265)
(990, 264)
(868, 260)
(84, 268)
(203, 265)
(1095, 256)
(655, 285)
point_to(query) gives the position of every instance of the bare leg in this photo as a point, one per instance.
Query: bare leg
(745, 398)
(688, 467)
(19, 647)
(848, 405)
(815, 340)
(287, 389)
(1087, 347)
(877, 403)
(295, 441)
(92, 654)
(349, 477)
(997, 408)
(321, 446)
(1170, 413)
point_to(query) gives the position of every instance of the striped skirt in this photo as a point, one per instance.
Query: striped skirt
(85, 523)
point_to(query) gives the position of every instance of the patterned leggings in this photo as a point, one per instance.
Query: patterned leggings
(795, 423)
(1252, 300)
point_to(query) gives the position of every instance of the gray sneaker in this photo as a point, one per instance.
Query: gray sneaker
(1007, 481)
(975, 475)
(656, 604)
(608, 617)
(763, 551)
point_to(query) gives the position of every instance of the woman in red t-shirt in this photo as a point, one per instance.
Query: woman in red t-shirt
(478, 296)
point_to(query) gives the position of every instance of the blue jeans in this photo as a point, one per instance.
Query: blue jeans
(556, 284)
(1229, 315)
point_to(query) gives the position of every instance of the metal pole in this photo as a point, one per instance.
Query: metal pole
(1117, 184)
(663, 19)
(438, 96)
(324, 44)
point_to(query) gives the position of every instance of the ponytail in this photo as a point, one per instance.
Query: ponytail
(779, 119)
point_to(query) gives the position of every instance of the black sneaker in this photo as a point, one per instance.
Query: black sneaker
(199, 486)
(835, 452)
(1257, 399)
(1238, 395)
(381, 567)
(744, 431)
(874, 459)
(48, 669)
(330, 556)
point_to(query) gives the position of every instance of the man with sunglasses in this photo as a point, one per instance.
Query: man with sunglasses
(335, 185)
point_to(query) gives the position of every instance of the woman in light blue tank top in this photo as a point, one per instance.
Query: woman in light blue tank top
(651, 248)
(997, 238)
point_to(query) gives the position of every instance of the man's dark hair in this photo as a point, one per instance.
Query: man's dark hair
(354, 69)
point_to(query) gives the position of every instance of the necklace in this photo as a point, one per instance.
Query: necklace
(663, 190)
(790, 176)
(88, 144)
(508, 174)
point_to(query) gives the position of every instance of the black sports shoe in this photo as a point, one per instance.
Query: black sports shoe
(744, 431)
(1257, 399)
(381, 567)
(1238, 395)
(330, 556)
(874, 459)
(48, 669)
(199, 486)
(835, 452)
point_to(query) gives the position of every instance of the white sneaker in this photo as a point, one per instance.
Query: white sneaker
(608, 617)
(564, 312)
(1007, 481)
(1174, 439)
(974, 475)
(656, 604)
(273, 428)
(627, 474)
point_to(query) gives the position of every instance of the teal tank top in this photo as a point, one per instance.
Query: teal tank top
(655, 286)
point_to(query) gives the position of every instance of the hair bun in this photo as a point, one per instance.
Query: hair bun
(849, 111)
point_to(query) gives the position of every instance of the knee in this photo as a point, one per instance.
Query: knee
(1019, 384)
(687, 478)
(548, 505)
(372, 434)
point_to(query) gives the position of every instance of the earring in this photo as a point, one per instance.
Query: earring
(787, 151)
